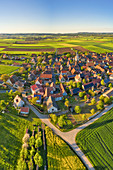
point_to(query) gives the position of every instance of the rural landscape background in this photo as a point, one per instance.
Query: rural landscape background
(56, 85)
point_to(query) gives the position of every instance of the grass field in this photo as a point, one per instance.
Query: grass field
(7, 69)
(59, 154)
(96, 141)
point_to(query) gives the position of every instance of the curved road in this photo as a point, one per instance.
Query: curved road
(69, 137)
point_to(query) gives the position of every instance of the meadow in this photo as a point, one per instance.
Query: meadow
(96, 141)
(59, 154)
(4, 69)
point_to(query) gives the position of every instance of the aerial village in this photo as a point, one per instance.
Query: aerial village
(67, 83)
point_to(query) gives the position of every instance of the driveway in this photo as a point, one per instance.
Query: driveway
(69, 137)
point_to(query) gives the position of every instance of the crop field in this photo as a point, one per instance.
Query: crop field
(12, 130)
(59, 154)
(4, 61)
(4, 69)
(95, 43)
(96, 141)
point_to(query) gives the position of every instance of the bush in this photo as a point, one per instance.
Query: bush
(77, 109)
(100, 105)
(93, 101)
(54, 118)
(92, 111)
(81, 94)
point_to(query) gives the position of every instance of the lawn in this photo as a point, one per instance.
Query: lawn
(96, 141)
(59, 154)
(7, 69)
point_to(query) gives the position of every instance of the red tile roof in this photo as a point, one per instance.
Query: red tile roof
(24, 109)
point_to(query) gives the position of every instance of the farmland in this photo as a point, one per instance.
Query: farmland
(96, 141)
(99, 44)
(4, 69)
(12, 130)
(59, 155)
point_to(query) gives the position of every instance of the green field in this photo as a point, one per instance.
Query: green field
(96, 43)
(12, 130)
(96, 141)
(7, 69)
(59, 154)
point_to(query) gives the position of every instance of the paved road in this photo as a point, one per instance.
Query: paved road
(69, 137)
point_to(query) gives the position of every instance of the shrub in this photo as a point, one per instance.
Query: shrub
(77, 109)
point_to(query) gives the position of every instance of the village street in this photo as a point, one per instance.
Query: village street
(69, 137)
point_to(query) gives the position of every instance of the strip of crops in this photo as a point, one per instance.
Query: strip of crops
(96, 141)
(59, 155)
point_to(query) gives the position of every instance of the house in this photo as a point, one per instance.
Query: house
(39, 97)
(18, 84)
(75, 91)
(109, 93)
(53, 85)
(30, 77)
(78, 78)
(12, 79)
(18, 102)
(111, 77)
(88, 86)
(38, 81)
(36, 88)
(62, 89)
(73, 71)
(51, 105)
(71, 77)
(61, 78)
(24, 110)
(57, 96)
(46, 77)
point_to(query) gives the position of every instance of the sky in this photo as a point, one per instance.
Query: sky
(56, 16)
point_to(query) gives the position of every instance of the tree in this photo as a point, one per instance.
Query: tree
(102, 82)
(4, 77)
(81, 94)
(38, 142)
(31, 141)
(21, 165)
(92, 111)
(101, 98)
(85, 97)
(38, 159)
(100, 105)
(84, 81)
(107, 100)
(33, 100)
(93, 101)
(79, 85)
(22, 69)
(67, 103)
(62, 121)
(71, 82)
(84, 116)
(32, 151)
(77, 109)
(53, 118)
(110, 85)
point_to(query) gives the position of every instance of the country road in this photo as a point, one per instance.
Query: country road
(69, 137)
